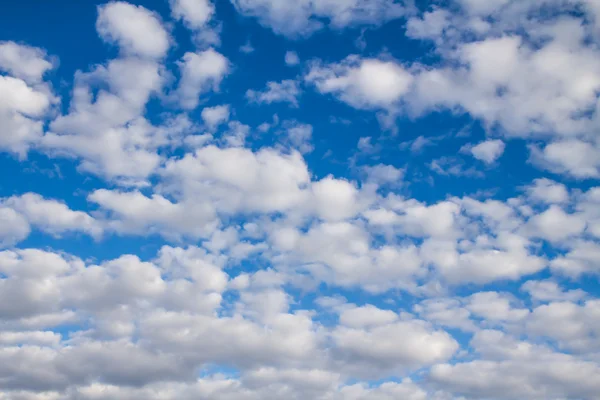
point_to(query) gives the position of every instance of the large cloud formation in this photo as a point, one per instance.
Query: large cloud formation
(191, 253)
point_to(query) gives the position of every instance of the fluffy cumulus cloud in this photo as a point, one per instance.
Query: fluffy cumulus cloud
(488, 151)
(200, 72)
(191, 209)
(215, 116)
(136, 30)
(27, 63)
(362, 83)
(26, 99)
(195, 13)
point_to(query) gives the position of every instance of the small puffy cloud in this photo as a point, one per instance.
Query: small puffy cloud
(582, 257)
(544, 190)
(488, 151)
(25, 101)
(507, 83)
(22, 112)
(365, 316)
(430, 26)
(335, 199)
(576, 158)
(548, 290)
(384, 174)
(52, 216)
(247, 48)
(21, 213)
(200, 73)
(135, 213)
(555, 225)
(575, 327)
(362, 83)
(493, 306)
(446, 312)
(194, 13)
(215, 116)
(291, 58)
(298, 136)
(197, 15)
(108, 134)
(286, 91)
(135, 29)
(239, 179)
(24, 62)
(510, 261)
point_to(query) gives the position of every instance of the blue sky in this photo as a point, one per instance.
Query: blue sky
(318, 199)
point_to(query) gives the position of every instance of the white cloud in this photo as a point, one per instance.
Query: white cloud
(510, 261)
(132, 212)
(382, 175)
(430, 26)
(378, 347)
(200, 73)
(247, 48)
(574, 327)
(482, 7)
(236, 312)
(513, 369)
(135, 29)
(335, 199)
(548, 290)
(342, 253)
(286, 91)
(582, 257)
(22, 213)
(13, 227)
(555, 225)
(362, 83)
(495, 307)
(291, 58)
(239, 179)
(24, 62)
(298, 136)
(215, 116)
(52, 216)
(25, 101)
(304, 17)
(366, 316)
(105, 127)
(22, 98)
(263, 384)
(488, 151)
(446, 312)
(22, 110)
(525, 90)
(547, 191)
(573, 157)
(195, 13)
(417, 219)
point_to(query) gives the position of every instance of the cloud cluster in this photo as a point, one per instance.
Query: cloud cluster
(212, 238)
